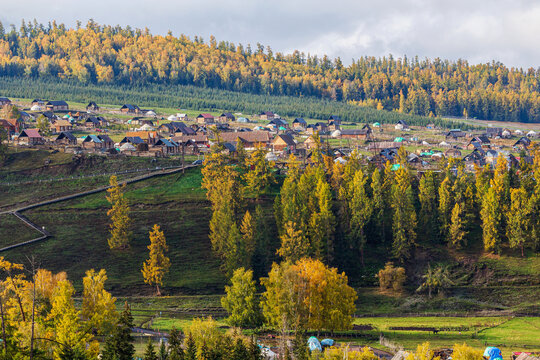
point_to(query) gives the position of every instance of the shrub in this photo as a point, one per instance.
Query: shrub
(391, 277)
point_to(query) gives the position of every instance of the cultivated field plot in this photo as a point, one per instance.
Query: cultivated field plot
(510, 334)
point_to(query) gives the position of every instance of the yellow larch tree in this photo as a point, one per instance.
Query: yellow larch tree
(98, 305)
(120, 233)
(157, 265)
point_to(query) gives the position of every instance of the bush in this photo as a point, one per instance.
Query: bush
(391, 277)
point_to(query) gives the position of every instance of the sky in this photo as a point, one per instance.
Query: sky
(475, 30)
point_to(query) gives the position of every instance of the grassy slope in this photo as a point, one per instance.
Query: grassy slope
(28, 165)
(10, 225)
(80, 236)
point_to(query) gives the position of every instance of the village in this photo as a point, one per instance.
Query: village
(132, 131)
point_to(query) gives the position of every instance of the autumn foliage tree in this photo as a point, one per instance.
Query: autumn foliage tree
(308, 295)
(120, 233)
(391, 277)
(158, 264)
(98, 305)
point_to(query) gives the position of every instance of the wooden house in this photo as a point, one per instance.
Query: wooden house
(65, 138)
(523, 143)
(379, 145)
(318, 127)
(226, 117)
(476, 157)
(309, 143)
(454, 134)
(166, 146)
(38, 102)
(299, 124)
(107, 142)
(8, 127)
(149, 137)
(205, 118)
(57, 105)
(333, 126)
(199, 139)
(481, 140)
(335, 119)
(267, 115)
(92, 142)
(61, 125)
(278, 124)
(4, 101)
(176, 128)
(452, 153)
(401, 125)
(130, 109)
(92, 122)
(133, 140)
(493, 132)
(30, 137)
(360, 134)
(251, 139)
(284, 142)
(92, 106)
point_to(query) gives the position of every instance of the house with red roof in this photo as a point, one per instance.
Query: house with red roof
(30, 137)
(205, 119)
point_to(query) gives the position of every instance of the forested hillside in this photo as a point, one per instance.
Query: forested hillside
(116, 55)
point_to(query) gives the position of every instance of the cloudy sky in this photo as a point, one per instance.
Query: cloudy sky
(476, 30)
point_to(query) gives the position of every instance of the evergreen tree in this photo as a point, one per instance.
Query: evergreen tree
(190, 349)
(519, 221)
(248, 229)
(300, 347)
(378, 204)
(427, 194)
(491, 221)
(240, 300)
(262, 257)
(175, 345)
(259, 175)
(119, 346)
(69, 353)
(150, 352)
(239, 351)
(404, 216)
(235, 253)
(360, 206)
(163, 354)
(120, 233)
(457, 233)
(496, 204)
(294, 244)
(445, 205)
(322, 223)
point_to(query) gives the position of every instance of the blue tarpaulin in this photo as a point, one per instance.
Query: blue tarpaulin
(314, 344)
(327, 342)
(493, 353)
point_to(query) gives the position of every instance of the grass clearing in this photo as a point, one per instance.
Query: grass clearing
(510, 334)
(11, 225)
